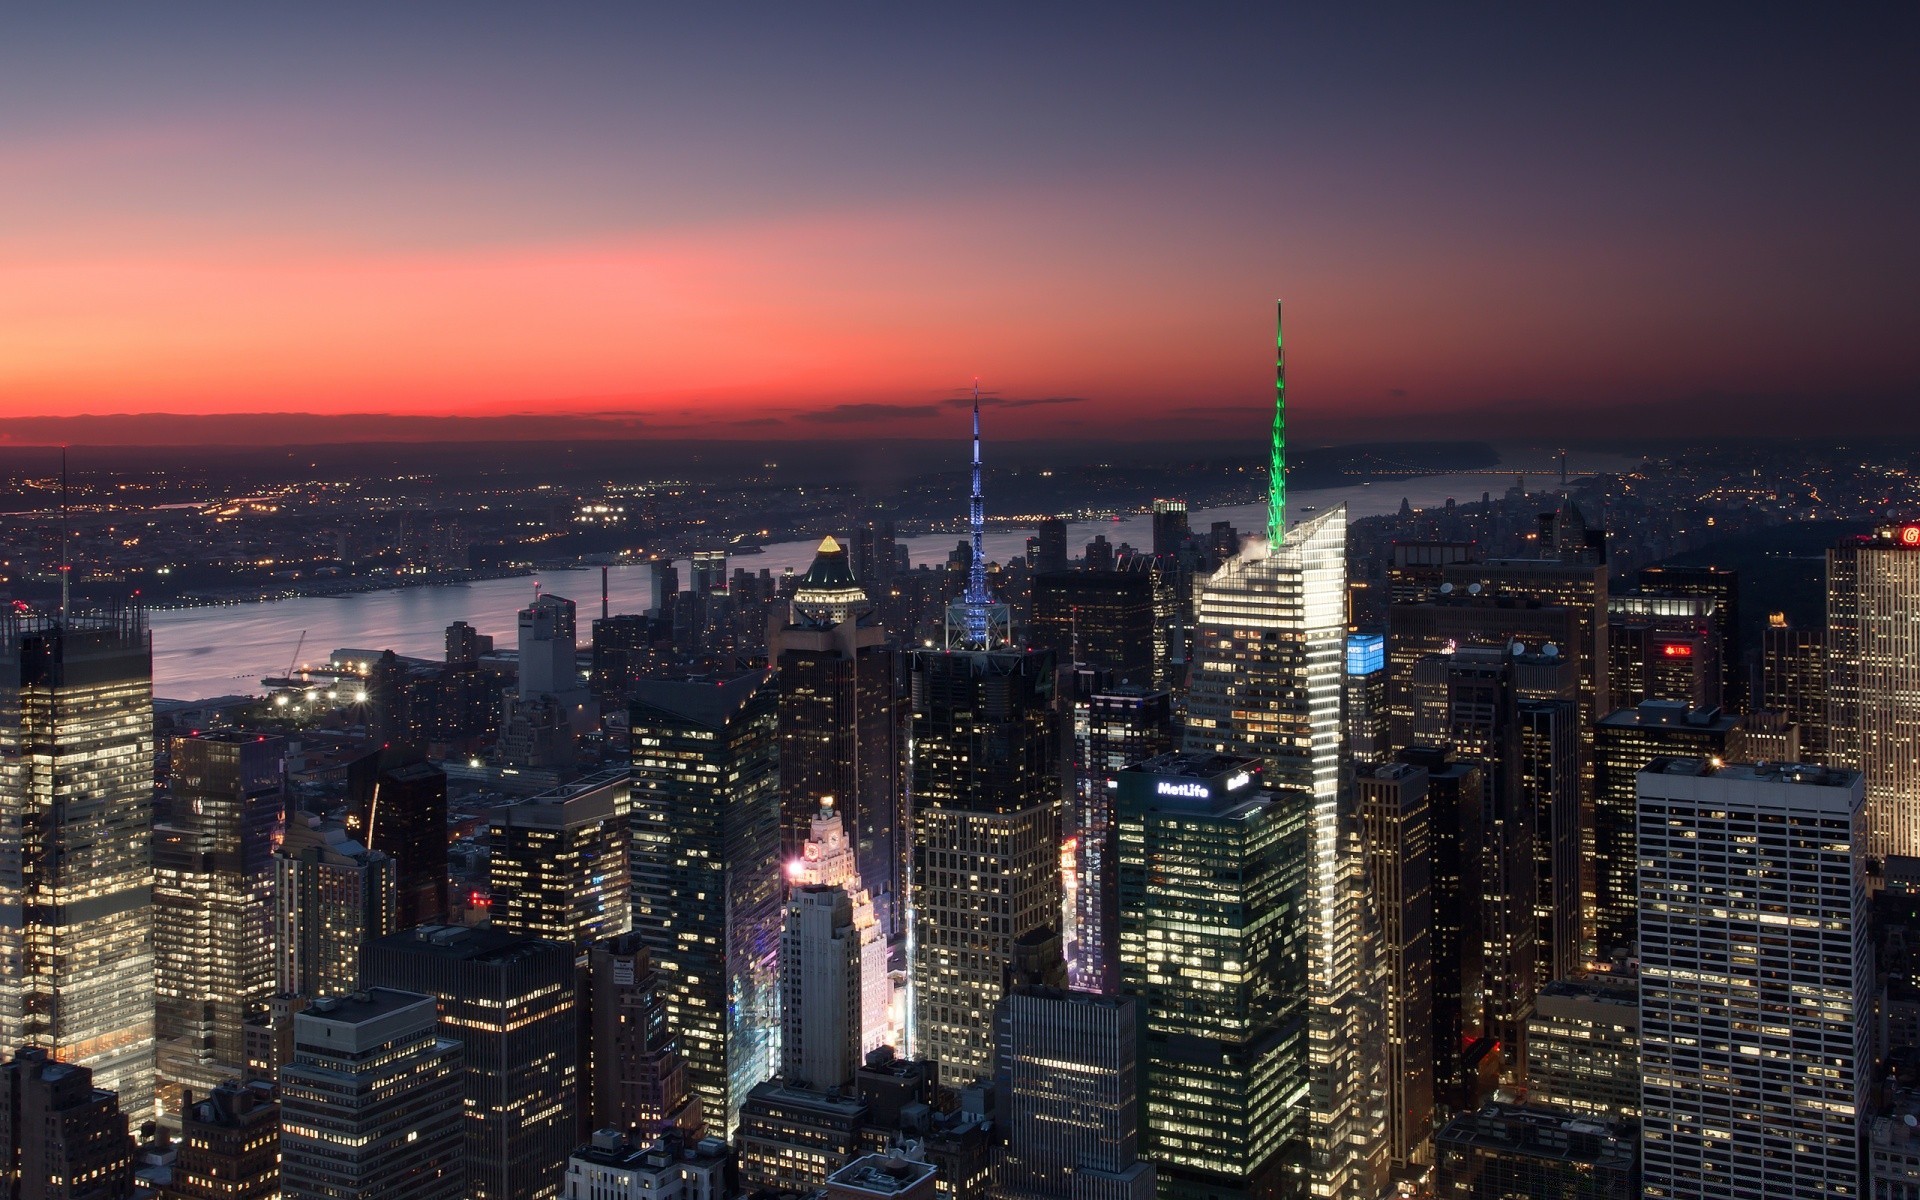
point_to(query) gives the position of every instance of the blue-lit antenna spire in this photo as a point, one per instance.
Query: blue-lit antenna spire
(977, 598)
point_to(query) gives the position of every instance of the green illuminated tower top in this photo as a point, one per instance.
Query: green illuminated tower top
(1277, 485)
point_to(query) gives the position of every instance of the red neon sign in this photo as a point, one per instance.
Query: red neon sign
(1677, 651)
(1908, 535)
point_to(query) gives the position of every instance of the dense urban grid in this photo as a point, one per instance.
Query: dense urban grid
(1562, 842)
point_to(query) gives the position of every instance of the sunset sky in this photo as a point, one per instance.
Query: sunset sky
(814, 220)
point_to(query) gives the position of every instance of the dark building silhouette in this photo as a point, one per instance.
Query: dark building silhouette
(65, 1138)
(398, 802)
(1722, 586)
(639, 1083)
(229, 1145)
(1793, 681)
(1097, 618)
(1114, 728)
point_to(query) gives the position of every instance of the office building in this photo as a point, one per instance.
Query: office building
(820, 996)
(65, 1139)
(639, 1083)
(397, 804)
(1765, 736)
(1505, 1150)
(986, 845)
(370, 1105)
(559, 864)
(1267, 681)
(705, 856)
(1114, 728)
(1583, 1047)
(1098, 618)
(1664, 647)
(673, 1166)
(1170, 528)
(1213, 875)
(229, 1146)
(332, 897)
(1075, 1117)
(548, 647)
(1755, 980)
(1873, 679)
(1456, 794)
(1396, 816)
(213, 906)
(709, 572)
(842, 716)
(76, 795)
(1368, 735)
(827, 860)
(1793, 680)
(510, 1003)
(792, 1138)
(1722, 587)
(1624, 743)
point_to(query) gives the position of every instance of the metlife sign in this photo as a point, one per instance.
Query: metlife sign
(1185, 791)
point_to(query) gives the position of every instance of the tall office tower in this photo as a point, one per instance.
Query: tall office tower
(622, 653)
(1267, 681)
(559, 864)
(1113, 729)
(1098, 618)
(1456, 798)
(1546, 768)
(510, 1003)
(1583, 1047)
(1765, 736)
(331, 898)
(841, 716)
(229, 1145)
(76, 809)
(1624, 743)
(820, 999)
(548, 647)
(705, 857)
(1793, 680)
(1394, 811)
(639, 1081)
(827, 860)
(986, 844)
(1213, 873)
(398, 806)
(1664, 648)
(1414, 574)
(708, 572)
(465, 645)
(1722, 586)
(64, 1139)
(1504, 1150)
(213, 906)
(1050, 552)
(1754, 1025)
(1170, 529)
(1074, 1111)
(370, 1105)
(1367, 737)
(1873, 679)
(873, 553)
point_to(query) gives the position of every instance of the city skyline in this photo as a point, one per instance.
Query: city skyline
(802, 228)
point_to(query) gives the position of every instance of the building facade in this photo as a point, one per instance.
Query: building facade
(1873, 679)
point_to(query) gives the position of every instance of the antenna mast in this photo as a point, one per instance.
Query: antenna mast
(977, 598)
(66, 567)
(1277, 471)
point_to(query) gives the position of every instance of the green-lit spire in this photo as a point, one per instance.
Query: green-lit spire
(1277, 479)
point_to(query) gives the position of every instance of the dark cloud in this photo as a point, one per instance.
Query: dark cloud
(849, 414)
(987, 401)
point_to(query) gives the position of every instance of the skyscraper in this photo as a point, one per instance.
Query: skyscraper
(1113, 729)
(548, 645)
(1624, 743)
(820, 999)
(1267, 681)
(1392, 799)
(1099, 618)
(332, 897)
(1793, 680)
(1873, 679)
(1213, 876)
(1755, 980)
(213, 906)
(559, 863)
(370, 1105)
(510, 1003)
(398, 805)
(61, 1138)
(1722, 587)
(1367, 737)
(842, 715)
(1170, 529)
(827, 860)
(1074, 1119)
(705, 855)
(1664, 647)
(76, 807)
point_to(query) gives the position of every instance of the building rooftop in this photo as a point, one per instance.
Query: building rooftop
(363, 1006)
(1800, 774)
(467, 943)
(881, 1174)
(709, 702)
(1669, 714)
(1545, 1133)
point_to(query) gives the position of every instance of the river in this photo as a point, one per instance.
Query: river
(199, 653)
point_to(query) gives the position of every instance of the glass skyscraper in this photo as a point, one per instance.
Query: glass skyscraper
(76, 808)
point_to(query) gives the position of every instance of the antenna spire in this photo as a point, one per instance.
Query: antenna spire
(66, 567)
(1277, 471)
(977, 598)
